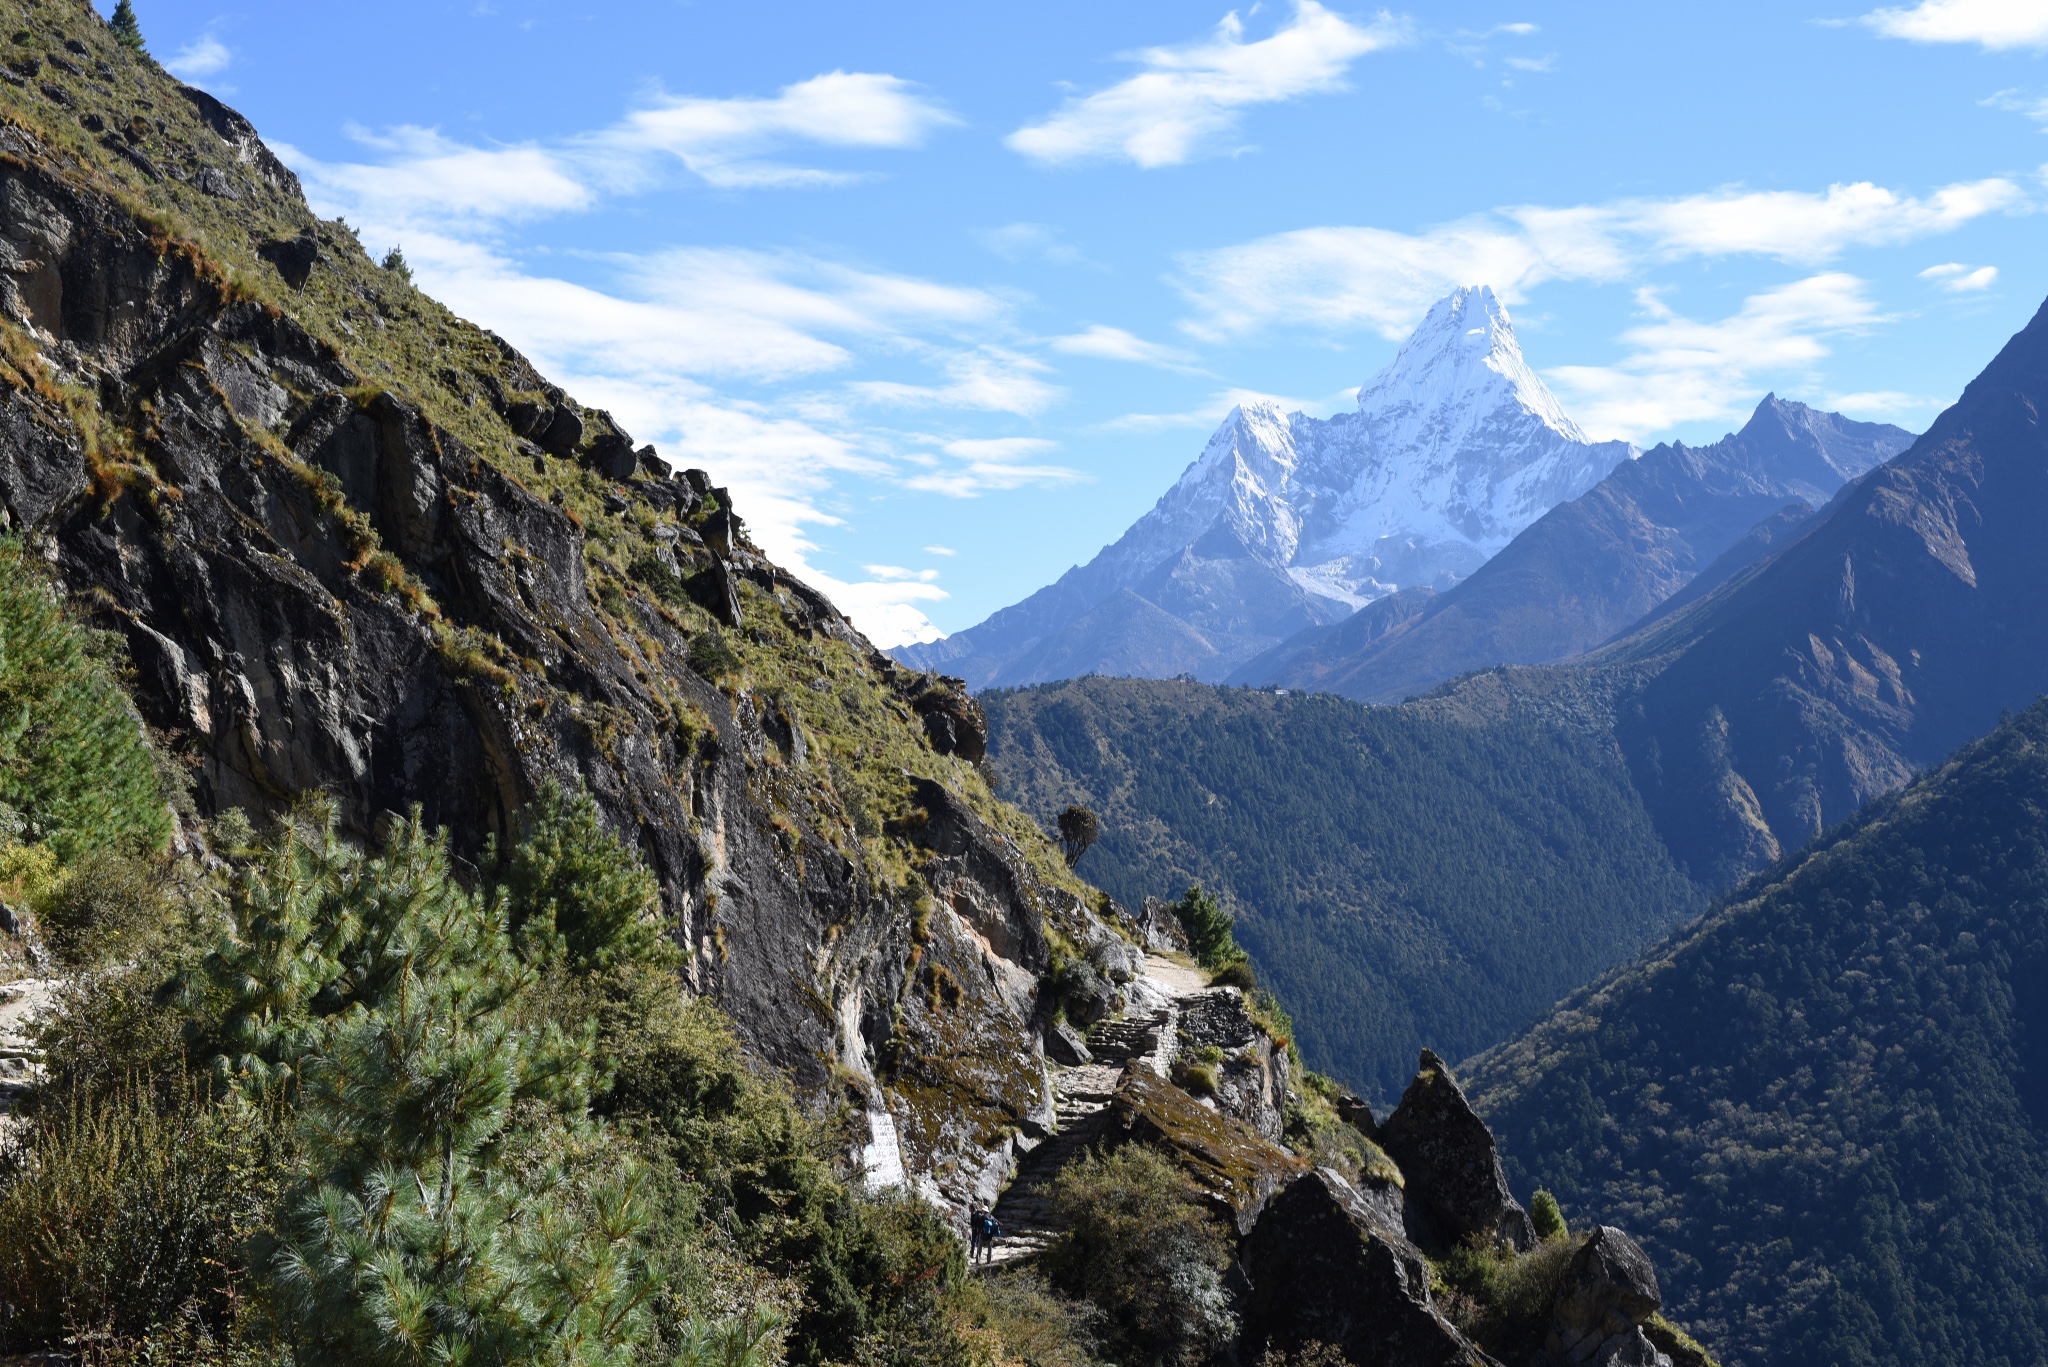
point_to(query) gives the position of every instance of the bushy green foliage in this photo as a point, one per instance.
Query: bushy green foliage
(383, 998)
(1823, 1110)
(1013, 1316)
(74, 763)
(1208, 927)
(1400, 877)
(1545, 1215)
(1139, 1244)
(711, 656)
(127, 32)
(106, 907)
(573, 889)
(126, 1211)
(1503, 1300)
(876, 1273)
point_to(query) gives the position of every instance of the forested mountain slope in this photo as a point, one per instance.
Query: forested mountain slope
(1590, 568)
(1403, 877)
(1827, 1105)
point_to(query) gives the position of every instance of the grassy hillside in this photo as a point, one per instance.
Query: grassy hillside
(1825, 1108)
(1403, 877)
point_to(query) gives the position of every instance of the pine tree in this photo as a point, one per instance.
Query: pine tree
(387, 1001)
(395, 262)
(1209, 927)
(574, 891)
(127, 31)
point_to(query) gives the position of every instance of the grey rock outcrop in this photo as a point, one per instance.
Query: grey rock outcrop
(1609, 1293)
(1328, 1266)
(1456, 1188)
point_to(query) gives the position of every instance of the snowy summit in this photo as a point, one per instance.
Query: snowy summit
(1286, 521)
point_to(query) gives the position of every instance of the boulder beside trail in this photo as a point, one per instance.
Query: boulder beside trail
(1327, 1266)
(1456, 1188)
(1237, 1169)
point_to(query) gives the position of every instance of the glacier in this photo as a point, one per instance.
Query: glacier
(1286, 521)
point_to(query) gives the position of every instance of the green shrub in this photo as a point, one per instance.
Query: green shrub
(74, 763)
(711, 656)
(1236, 974)
(127, 32)
(663, 582)
(123, 1213)
(1503, 1300)
(1139, 1244)
(1546, 1216)
(108, 906)
(1014, 1317)
(385, 1000)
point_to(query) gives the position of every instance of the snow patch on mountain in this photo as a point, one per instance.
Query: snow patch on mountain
(1285, 520)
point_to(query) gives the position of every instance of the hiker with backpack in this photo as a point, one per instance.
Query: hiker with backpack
(984, 1230)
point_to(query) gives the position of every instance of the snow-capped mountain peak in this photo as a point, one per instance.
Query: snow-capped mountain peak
(1460, 368)
(1285, 520)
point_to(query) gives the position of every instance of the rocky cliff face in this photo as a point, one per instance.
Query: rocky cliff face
(358, 546)
(1286, 523)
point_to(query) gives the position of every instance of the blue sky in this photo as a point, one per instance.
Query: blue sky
(951, 293)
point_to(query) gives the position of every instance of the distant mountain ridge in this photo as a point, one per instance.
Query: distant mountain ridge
(1589, 569)
(1902, 624)
(1286, 522)
(1827, 1103)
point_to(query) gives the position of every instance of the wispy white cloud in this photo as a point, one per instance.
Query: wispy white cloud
(1186, 101)
(995, 463)
(940, 550)
(1879, 404)
(1680, 370)
(1028, 242)
(727, 142)
(1336, 278)
(2032, 106)
(423, 176)
(1994, 24)
(1217, 405)
(1957, 278)
(992, 379)
(1106, 343)
(1546, 63)
(204, 57)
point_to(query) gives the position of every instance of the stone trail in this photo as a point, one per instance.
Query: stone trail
(1145, 1035)
(20, 1061)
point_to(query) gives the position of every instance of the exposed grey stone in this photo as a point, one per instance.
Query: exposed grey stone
(1063, 1044)
(1455, 1182)
(1610, 1286)
(1328, 1267)
(564, 432)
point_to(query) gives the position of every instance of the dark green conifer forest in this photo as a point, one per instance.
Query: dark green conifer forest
(1824, 1109)
(1400, 879)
